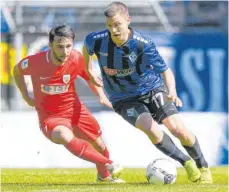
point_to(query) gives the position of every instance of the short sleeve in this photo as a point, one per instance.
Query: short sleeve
(154, 58)
(89, 43)
(25, 66)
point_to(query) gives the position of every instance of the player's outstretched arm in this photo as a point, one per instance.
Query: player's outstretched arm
(100, 93)
(171, 85)
(20, 82)
(95, 79)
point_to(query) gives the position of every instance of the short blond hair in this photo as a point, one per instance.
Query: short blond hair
(116, 7)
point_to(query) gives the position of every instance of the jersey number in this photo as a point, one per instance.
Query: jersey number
(158, 99)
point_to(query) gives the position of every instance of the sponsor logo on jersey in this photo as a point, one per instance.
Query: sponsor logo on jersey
(119, 72)
(66, 78)
(54, 89)
(25, 63)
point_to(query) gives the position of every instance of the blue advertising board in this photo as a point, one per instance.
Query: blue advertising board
(200, 65)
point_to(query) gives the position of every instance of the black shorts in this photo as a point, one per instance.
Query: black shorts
(154, 102)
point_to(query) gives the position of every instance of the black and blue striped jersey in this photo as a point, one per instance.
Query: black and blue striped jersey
(130, 70)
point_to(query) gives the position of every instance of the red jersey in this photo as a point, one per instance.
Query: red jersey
(53, 86)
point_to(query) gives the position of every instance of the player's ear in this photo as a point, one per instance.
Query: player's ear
(128, 19)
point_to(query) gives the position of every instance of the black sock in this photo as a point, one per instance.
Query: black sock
(196, 154)
(170, 149)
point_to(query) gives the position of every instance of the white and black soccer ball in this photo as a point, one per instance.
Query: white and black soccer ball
(161, 171)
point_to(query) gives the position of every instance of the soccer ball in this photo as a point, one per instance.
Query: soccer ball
(161, 171)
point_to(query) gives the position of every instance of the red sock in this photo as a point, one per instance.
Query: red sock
(106, 153)
(102, 170)
(86, 151)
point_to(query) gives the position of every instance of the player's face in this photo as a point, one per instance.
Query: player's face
(61, 48)
(118, 27)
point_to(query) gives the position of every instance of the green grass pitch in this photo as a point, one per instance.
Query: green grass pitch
(55, 180)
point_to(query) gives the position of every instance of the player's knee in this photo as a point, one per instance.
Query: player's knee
(146, 122)
(178, 133)
(177, 130)
(61, 135)
(174, 125)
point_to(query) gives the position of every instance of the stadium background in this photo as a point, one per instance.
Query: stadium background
(192, 37)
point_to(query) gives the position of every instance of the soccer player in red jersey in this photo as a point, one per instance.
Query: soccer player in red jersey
(63, 118)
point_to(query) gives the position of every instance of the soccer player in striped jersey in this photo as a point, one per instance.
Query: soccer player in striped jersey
(141, 88)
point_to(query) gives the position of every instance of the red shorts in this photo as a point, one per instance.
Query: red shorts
(83, 124)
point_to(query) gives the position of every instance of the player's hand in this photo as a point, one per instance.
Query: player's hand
(95, 79)
(175, 99)
(106, 102)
